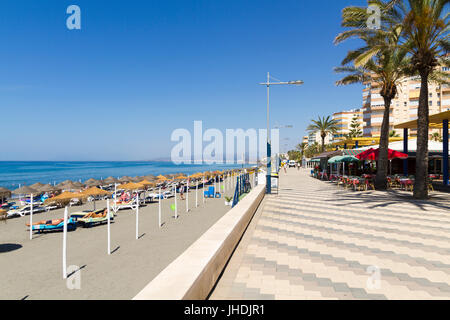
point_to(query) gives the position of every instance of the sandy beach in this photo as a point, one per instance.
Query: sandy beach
(33, 269)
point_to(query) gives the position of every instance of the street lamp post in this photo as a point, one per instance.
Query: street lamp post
(269, 147)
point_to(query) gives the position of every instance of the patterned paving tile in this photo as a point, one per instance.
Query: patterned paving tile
(317, 241)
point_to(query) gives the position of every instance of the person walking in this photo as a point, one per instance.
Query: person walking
(181, 192)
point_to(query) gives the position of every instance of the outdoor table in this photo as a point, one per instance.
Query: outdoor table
(406, 183)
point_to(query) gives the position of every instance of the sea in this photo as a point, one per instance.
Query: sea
(13, 174)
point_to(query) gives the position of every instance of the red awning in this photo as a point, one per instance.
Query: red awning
(372, 154)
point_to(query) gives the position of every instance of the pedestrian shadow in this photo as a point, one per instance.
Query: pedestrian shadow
(8, 247)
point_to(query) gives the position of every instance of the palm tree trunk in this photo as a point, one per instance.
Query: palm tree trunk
(421, 183)
(323, 143)
(383, 162)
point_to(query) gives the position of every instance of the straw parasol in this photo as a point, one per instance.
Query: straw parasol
(162, 178)
(92, 182)
(25, 190)
(64, 182)
(71, 186)
(181, 177)
(146, 183)
(124, 179)
(130, 186)
(37, 186)
(49, 188)
(95, 192)
(197, 175)
(79, 184)
(31, 192)
(110, 180)
(4, 193)
(150, 177)
(64, 198)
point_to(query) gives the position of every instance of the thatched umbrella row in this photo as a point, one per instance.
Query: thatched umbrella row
(129, 182)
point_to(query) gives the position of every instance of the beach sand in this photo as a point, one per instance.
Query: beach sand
(34, 270)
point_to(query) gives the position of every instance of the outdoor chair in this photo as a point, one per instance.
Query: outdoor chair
(369, 184)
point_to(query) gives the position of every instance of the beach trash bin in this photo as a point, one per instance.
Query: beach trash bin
(211, 192)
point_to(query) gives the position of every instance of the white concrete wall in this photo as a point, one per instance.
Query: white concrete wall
(194, 273)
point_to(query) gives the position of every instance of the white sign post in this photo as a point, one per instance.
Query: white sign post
(31, 217)
(187, 197)
(65, 244)
(137, 216)
(176, 209)
(196, 194)
(159, 208)
(109, 226)
(204, 189)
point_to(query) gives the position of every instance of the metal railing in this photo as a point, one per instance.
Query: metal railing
(243, 186)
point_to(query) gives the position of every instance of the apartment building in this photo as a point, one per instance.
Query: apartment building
(305, 140)
(344, 120)
(404, 106)
(314, 137)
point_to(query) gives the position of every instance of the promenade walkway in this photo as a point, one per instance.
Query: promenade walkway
(317, 241)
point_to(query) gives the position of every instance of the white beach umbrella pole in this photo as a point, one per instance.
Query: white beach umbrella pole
(196, 194)
(176, 213)
(187, 197)
(65, 244)
(31, 217)
(137, 216)
(115, 197)
(109, 226)
(159, 207)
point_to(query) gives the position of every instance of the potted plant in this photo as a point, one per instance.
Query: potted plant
(229, 201)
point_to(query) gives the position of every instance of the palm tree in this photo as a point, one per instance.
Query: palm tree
(324, 126)
(382, 62)
(302, 147)
(426, 35)
(436, 136)
(393, 134)
(312, 150)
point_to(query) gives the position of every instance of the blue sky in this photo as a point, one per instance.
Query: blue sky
(137, 70)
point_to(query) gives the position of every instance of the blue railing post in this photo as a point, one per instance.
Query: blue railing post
(445, 151)
(269, 169)
(405, 150)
